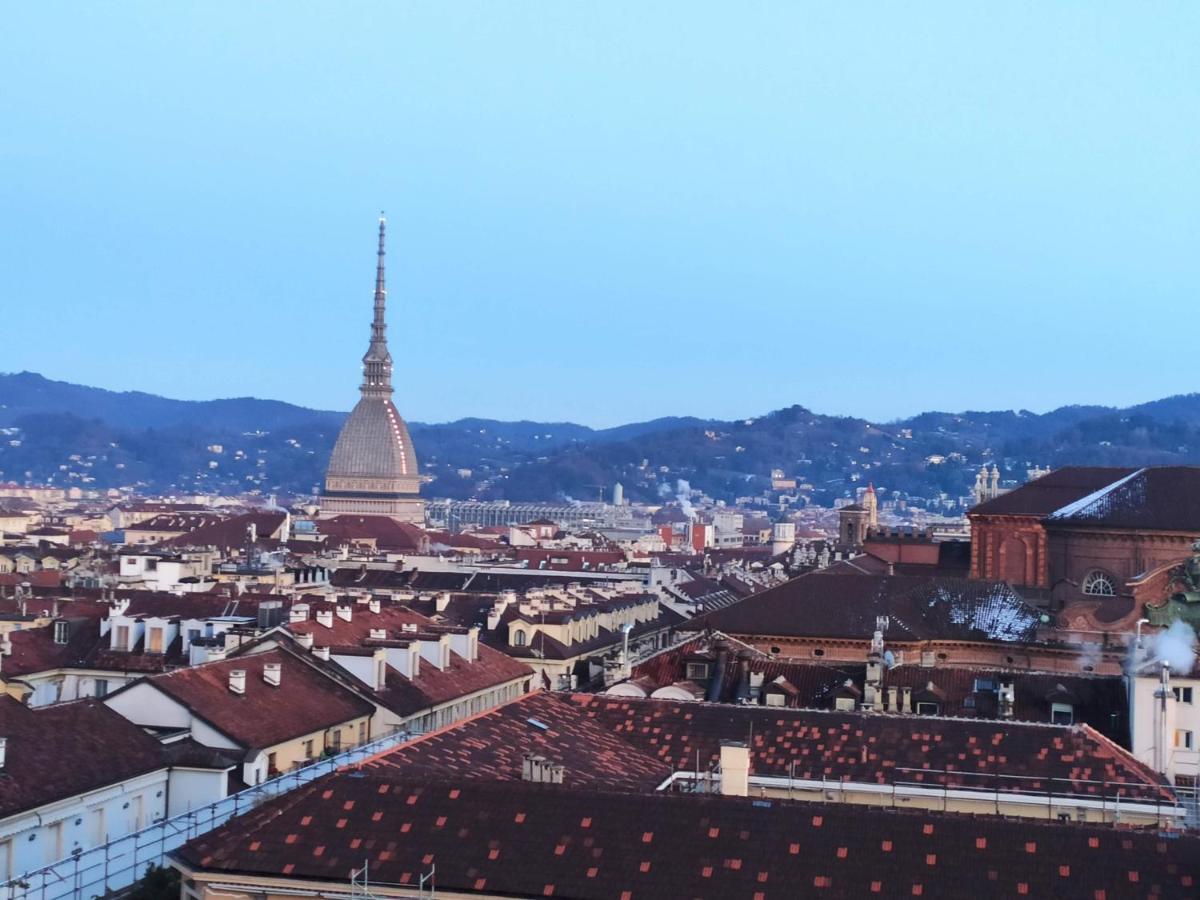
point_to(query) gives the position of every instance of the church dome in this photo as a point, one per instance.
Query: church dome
(374, 443)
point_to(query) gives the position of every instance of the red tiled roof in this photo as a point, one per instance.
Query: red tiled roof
(305, 701)
(68, 749)
(432, 686)
(877, 747)
(387, 533)
(491, 746)
(509, 838)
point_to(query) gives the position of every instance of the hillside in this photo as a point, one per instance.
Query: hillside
(71, 434)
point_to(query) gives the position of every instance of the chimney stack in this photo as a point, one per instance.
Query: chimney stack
(305, 640)
(3, 752)
(298, 613)
(735, 768)
(272, 673)
(237, 681)
(374, 606)
(321, 652)
(345, 613)
(325, 617)
(379, 634)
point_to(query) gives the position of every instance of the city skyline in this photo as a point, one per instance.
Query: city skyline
(722, 213)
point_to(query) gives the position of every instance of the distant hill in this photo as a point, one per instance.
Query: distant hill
(71, 434)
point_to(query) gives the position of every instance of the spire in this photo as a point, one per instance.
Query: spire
(377, 363)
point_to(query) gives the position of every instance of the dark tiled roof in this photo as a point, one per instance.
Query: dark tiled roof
(1044, 495)
(387, 533)
(305, 701)
(67, 749)
(491, 747)
(518, 839)
(876, 747)
(1165, 498)
(918, 607)
(232, 532)
(434, 686)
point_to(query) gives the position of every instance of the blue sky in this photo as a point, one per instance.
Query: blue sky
(606, 212)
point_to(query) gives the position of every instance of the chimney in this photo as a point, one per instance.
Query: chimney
(325, 617)
(272, 673)
(305, 640)
(321, 652)
(1008, 700)
(735, 768)
(3, 752)
(374, 606)
(906, 701)
(237, 681)
(345, 613)
(5, 645)
(539, 770)
(298, 613)
(893, 699)
(379, 634)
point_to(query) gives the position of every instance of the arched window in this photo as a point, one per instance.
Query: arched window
(518, 638)
(1099, 585)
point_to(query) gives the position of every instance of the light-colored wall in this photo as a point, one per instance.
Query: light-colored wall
(52, 832)
(195, 788)
(1149, 728)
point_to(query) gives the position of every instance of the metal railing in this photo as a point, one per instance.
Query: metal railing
(119, 863)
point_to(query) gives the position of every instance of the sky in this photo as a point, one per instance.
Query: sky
(606, 212)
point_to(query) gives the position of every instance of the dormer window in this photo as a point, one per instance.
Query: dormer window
(697, 671)
(519, 638)
(1097, 584)
(926, 708)
(61, 632)
(1062, 713)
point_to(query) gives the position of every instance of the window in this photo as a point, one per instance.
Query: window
(61, 632)
(1062, 713)
(1097, 584)
(928, 709)
(101, 687)
(518, 638)
(1183, 694)
(308, 749)
(697, 671)
(775, 699)
(1184, 740)
(985, 684)
(271, 769)
(122, 638)
(155, 643)
(335, 740)
(193, 635)
(362, 732)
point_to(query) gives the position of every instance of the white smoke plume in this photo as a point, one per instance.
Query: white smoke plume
(664, 490)
(683, 495)
(1089, 656)
(1176, 647)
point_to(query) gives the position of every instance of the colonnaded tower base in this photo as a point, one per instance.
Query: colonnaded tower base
(373, 470)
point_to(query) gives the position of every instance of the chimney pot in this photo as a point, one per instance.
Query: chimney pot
(237, 681)
(735, 768)
(379, 634)
(272, 674)
(325, 617)
(345, 613)
(374, 606)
